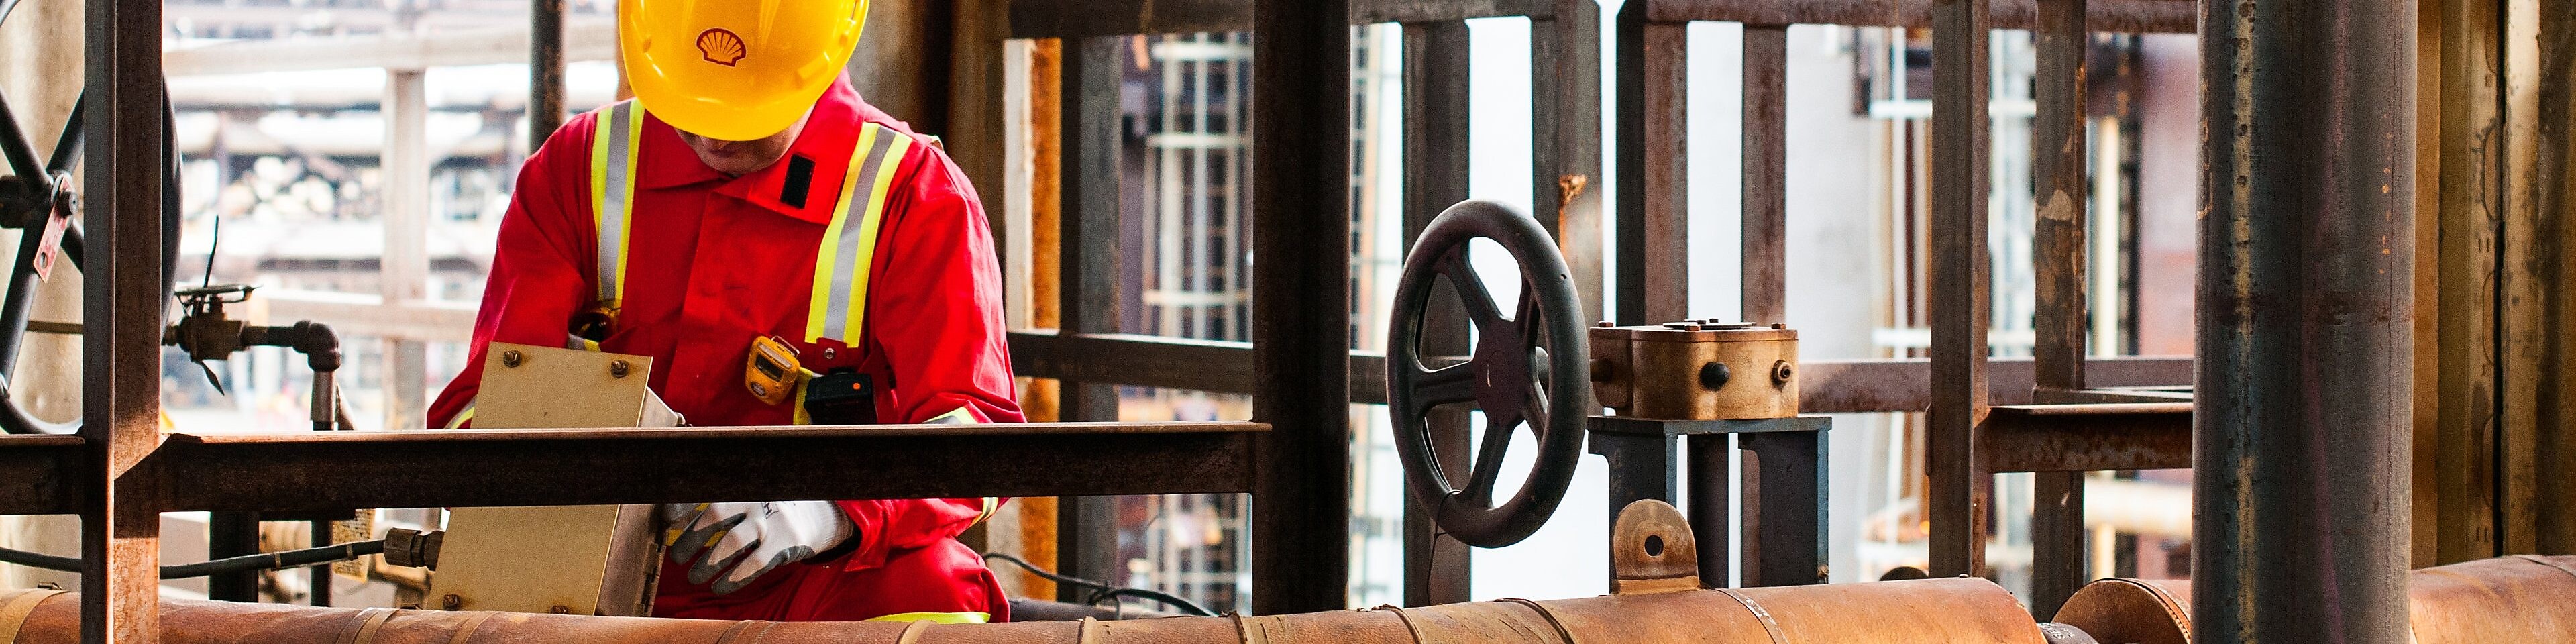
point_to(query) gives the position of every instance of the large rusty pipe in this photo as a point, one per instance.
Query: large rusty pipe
(2303, 416)
(1956, 610)
(2507, 599)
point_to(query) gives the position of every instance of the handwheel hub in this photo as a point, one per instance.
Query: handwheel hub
(1502, 371)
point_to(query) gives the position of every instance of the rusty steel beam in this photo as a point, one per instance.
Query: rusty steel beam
(1079, 18)
(1072, 19)
(1831, 387)
(124, 282)
(1766, 174)
(1653, 143)
(1301, 330)
(1089, 18)
(2147, 16)
(2080, 438)
(1957, 499)
(1566, 145)
(545, 70)
(2058, 160)
(1087, 278)
(2306, 340)
(1932, 610)
(326, 470)
(1364, 12)
(2059, 260)
(1436, 144)
(45, 474)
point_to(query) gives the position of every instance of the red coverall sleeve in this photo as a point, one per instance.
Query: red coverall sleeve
(935, 313)
(537, 280)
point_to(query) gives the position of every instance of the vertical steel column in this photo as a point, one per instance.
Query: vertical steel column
(232, 534)
(2555, 175)
(121, 313)
(1786, 502)
(1654, 189)
(1565, 83)
(1087, 292)
(1301, 318)
(2306, 285)
(404, 268)
(545, 70)
(1435, 176)
(2058, 160)
(1960, 489)
(1766, 173)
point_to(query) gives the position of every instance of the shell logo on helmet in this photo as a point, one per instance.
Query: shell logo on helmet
(720, 46)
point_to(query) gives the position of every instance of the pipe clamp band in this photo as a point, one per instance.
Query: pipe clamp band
(364, 631)
(467, 630)
(1543, 614)
(1768, 625)
(14, 614)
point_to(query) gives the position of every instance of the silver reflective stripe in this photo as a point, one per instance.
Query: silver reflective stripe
(613, 201)
(836, 318)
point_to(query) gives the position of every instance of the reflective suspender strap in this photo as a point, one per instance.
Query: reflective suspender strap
(838, 309)
(612, 192)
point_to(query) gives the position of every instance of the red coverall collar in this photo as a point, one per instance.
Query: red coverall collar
(829, 137)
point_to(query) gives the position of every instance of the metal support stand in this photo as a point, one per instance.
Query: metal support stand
(1783, 490)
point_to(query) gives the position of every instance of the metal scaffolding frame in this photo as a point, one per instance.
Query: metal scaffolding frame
(121, 471)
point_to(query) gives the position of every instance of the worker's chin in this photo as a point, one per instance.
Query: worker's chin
(733, 162)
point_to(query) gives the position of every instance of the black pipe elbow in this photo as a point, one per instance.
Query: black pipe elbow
(320, 346)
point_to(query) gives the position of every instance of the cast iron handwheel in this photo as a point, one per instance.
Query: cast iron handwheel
(1509, 377)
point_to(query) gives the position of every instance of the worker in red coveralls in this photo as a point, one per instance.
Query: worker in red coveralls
(747, 202)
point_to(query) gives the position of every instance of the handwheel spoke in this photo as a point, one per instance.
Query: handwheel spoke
(1452, 384)
(1471, 288)
(1528, 318)
(1489, 457)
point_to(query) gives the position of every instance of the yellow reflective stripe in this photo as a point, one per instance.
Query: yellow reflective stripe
(837, 308)
(612, 192)
(462, 417)
(958, 416)
(802, 418)
(938, 618)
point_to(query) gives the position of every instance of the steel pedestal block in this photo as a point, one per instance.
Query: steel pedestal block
(1783, 490)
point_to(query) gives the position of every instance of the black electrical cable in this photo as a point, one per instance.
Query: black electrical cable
(245, 563)
(1104, 590)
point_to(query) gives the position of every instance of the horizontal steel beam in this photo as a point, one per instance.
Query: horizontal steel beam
(2075, 438)
(1369, 12)
(584, 40)
(1851, 386)
(2146, 16)
(38, 472)
(1832, 386)
(327, 470)
(1089, 18)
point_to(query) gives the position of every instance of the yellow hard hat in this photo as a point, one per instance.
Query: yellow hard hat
(735, 70)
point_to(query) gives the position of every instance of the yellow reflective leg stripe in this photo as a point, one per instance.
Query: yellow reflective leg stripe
(837, 308)
(612, 191)
(462, 417)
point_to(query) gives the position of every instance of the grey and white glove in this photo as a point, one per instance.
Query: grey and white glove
(735, 543)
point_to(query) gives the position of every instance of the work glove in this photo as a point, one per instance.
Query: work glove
(735, 543)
